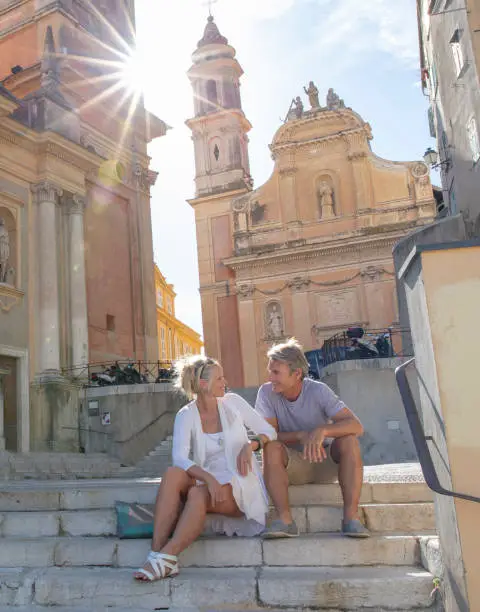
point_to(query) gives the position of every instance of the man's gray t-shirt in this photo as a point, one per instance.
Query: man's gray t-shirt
(314, 407)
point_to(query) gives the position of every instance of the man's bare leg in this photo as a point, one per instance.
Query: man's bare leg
(276, 479)
(346, 452)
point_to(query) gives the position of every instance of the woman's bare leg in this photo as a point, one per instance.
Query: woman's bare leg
(192, 519)
(173, 490)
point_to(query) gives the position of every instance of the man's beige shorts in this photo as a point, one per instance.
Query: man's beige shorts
(300, 471)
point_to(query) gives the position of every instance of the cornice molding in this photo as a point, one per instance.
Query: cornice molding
(310, 252)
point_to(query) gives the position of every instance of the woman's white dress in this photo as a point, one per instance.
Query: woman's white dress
(217, 454)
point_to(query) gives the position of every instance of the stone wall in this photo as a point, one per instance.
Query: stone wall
(368, 387)
(128, 421)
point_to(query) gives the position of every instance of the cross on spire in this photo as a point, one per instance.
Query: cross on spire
(210, 3)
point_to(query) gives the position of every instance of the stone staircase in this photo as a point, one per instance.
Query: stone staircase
(59, 466)
(58, 551)
(156, 462)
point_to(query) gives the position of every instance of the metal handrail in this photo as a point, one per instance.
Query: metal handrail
(420, 439)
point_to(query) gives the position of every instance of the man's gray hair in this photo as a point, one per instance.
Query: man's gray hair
(291, 353)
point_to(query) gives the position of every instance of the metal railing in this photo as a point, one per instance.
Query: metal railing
(120, 372)
(420, 439)
(367, 344)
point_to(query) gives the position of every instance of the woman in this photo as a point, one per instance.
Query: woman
(222, 478)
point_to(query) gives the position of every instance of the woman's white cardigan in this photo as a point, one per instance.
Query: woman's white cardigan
(236, 415)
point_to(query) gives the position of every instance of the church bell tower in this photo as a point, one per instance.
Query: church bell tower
(219, 128)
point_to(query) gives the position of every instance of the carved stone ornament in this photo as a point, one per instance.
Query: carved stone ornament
(245, 290)
(46, 192)
(372, 272)
(419, 170)
(76, 205)
(299, 283)
(9, 297)
(241, 204)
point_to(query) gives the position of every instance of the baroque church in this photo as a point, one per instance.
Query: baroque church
(309, 253)
(76, 256)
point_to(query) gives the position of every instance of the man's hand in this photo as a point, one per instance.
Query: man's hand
(218, 494)
(313, 449)
(244, 460)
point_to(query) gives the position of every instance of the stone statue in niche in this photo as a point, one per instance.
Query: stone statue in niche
(4, 251)
(334, 102)
(325, 199)
(312, 93)
(274, 318)
(257, 213)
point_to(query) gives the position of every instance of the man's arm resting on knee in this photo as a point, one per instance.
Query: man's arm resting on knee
(288, 437)
(345, 423)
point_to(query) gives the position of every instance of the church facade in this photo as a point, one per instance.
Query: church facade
(309, 253)
(76, 255)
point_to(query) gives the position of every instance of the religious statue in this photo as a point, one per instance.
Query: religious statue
(275, 322)
(312, 93)
(298, 107)
(4, 251)
(334, 102)
(325, 195)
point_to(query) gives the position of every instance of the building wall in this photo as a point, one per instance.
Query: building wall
(75, 192)
(174, 337)
(455, 98)
(110, 288)
(299, 269)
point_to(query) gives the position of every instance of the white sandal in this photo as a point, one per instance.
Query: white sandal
(160, 563)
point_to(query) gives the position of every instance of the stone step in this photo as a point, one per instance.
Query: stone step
(34, 608)
(57, 466)
(95, 494)
(318, 550)
(310, 519)
(352, 588)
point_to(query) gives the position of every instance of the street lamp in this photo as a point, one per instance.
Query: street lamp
(431, 159)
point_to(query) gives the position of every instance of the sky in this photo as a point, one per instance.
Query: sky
(366, 50)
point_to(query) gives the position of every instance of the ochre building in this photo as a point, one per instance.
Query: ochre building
(174, 337)
(76, 256)
(308, 253)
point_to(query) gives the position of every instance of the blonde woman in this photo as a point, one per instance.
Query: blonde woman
(214, 470)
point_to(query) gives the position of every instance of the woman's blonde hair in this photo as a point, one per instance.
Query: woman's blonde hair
(190, 370)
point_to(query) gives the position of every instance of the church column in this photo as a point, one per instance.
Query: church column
(301, 310)
(49, 336)
(248, 336)
(3, 372)
(78, 289)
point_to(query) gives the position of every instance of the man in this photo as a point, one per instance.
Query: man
(317, 439)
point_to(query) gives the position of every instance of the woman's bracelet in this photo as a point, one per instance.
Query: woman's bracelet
(259, 440)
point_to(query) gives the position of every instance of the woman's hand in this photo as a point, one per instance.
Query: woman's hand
(244, 460)
(218, 493)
